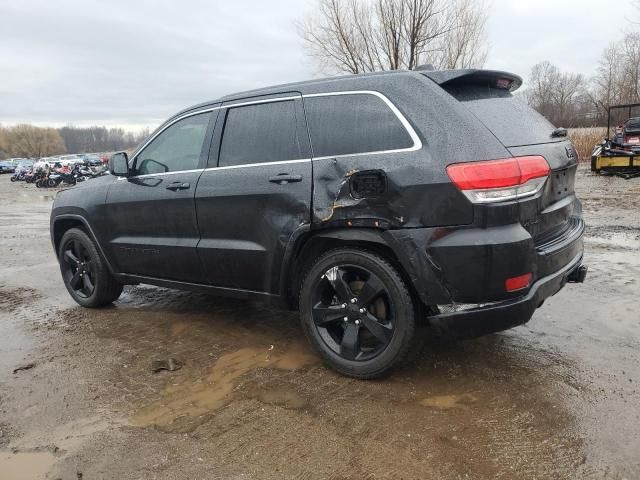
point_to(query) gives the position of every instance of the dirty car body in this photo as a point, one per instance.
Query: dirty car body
(273, 179)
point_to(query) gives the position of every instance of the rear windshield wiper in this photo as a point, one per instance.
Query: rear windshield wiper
(559, 132)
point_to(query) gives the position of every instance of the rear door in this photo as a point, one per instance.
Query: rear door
(150, 218)
(256, 192)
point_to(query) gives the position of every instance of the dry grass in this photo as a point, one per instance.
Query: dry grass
(584, 139)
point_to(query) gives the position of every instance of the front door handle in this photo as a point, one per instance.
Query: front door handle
(284, 178)
(178, 186)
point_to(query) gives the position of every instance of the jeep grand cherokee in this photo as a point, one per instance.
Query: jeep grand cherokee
(367, 202)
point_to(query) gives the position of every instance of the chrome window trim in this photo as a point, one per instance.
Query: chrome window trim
(228, 167)
(266, 100)
(417, 144)
(261, 164)
(146, 175)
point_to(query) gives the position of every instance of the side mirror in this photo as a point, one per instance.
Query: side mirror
(119, 164)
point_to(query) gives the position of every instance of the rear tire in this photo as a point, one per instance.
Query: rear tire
(357, 312)
(84, 271)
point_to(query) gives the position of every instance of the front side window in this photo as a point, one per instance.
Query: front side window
(175, 149)
(260, 133)
(350, 124)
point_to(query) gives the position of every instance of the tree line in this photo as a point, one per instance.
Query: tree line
(575, 100)
(29, 141)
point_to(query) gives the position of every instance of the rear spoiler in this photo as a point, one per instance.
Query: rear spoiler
(493, 78)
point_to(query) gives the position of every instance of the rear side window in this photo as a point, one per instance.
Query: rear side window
(509, 118)
(353, 123)
(264, 132)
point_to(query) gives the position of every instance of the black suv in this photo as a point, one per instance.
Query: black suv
(367, 202)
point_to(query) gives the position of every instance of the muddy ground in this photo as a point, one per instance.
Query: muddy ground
(556, 398)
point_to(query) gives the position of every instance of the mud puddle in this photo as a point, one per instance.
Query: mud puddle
(184, 405)
(446, 402)
(25, 465)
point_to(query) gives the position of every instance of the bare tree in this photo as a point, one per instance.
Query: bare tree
(630, 50)
(464, 45)
(356, 36)
(4, 149)
(555, 94)
(540, 91)
(617, 78)
(605, 84)
(29, 141)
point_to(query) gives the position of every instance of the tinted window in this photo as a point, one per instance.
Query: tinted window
(509, 118)
(177, 148)
(358, 123)
(264, 132)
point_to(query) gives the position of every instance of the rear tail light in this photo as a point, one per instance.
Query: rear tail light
(500, 180)
(520, 282)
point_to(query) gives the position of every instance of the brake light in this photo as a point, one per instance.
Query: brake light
(500, 180)
(518, 283)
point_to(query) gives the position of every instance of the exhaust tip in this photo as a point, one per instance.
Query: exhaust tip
(578, 275)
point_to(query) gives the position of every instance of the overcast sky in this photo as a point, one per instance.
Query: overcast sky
(135, 62)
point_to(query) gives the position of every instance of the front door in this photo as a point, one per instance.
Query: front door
(257, 193)
(150, 219)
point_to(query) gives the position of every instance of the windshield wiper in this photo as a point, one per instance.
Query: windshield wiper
(559, 132)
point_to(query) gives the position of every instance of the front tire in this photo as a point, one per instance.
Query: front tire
(357, 312)
(84, 271)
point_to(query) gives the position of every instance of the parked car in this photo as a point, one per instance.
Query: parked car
(92, 159)
(369, 202)
(25, 163)
(7, 166)
(69, 160)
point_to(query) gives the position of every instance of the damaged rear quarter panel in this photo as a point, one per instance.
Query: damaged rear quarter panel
(418, 190)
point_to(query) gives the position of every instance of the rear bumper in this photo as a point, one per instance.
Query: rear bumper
(498, 316)
(468, 267)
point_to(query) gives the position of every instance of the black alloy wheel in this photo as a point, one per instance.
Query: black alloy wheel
(85, 272)
(352, 312)
(78, 268)
(357, 312)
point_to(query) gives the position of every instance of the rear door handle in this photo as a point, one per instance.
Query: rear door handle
(284, 178)
(178, 186)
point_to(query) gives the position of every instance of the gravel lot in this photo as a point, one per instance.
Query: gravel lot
(556, 398)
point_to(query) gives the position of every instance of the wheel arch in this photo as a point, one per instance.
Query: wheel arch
(63, 223)
(310, 246)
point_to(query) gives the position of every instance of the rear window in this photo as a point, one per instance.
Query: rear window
(508, 117)
(353, 124)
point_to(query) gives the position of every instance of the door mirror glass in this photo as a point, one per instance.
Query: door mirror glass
(119, 164)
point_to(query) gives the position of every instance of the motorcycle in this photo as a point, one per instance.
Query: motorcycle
(87, 173)
(68, 178)
(39, 178)
(19, 175)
